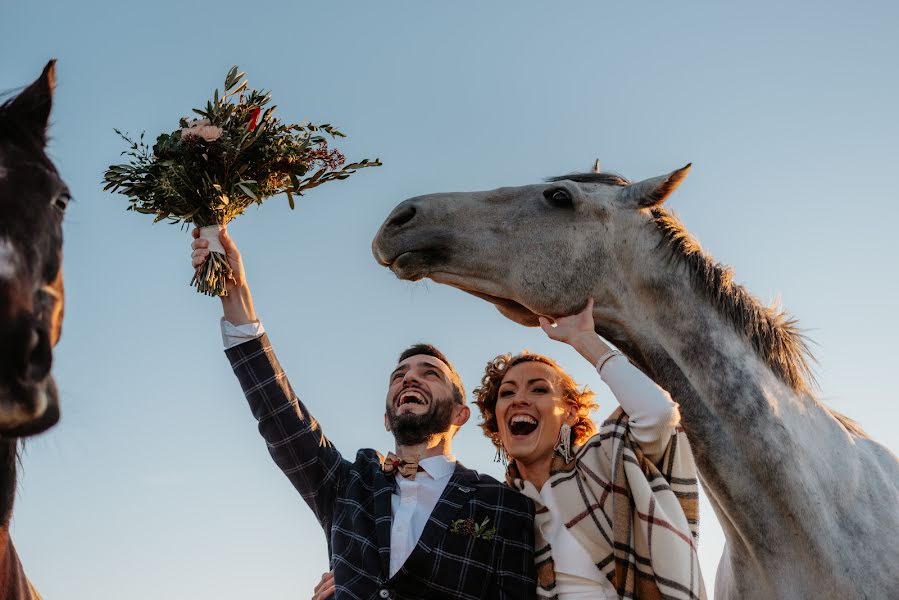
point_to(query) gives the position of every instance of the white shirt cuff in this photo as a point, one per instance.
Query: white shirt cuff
(233, 335)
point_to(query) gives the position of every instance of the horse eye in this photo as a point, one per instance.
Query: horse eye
(558, 197)
(62, 201)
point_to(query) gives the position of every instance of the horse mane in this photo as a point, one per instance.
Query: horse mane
(773, 333)
(606, 178)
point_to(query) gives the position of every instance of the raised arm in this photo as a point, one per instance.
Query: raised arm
(652, 414)
(294, 439)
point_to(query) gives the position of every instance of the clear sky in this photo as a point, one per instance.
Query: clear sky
(156, 484)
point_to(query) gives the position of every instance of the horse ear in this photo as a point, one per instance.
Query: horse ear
(596, 166)
(654, 191)
(32, 106)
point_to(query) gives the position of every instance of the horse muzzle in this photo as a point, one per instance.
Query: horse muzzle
(28, 409)
(28, 396)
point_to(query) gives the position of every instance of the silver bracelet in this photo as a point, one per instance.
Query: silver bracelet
(606, 358)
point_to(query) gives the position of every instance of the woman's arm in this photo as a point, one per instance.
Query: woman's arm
(651, 412)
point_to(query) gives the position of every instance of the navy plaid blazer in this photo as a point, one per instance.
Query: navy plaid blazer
(351, 500)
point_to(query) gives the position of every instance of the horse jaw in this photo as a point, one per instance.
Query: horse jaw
(510, 309)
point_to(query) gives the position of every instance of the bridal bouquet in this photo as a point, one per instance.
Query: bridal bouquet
(210, 169)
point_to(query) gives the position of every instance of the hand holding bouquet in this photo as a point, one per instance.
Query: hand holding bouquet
(211, 169)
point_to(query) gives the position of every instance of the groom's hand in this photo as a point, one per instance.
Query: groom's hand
(325, 587)
(201, 253)
(238, 303)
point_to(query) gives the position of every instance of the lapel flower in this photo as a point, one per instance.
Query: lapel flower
(471, 528)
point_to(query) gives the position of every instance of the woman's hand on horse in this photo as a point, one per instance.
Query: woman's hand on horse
(578, 331)
(325, 587)
(571, 328)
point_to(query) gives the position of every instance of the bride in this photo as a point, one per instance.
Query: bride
(616, 511)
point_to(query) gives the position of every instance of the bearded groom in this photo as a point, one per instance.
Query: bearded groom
(416, 524)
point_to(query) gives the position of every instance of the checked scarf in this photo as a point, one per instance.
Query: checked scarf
(636, 520)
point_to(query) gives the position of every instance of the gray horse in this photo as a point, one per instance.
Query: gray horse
(808, 502)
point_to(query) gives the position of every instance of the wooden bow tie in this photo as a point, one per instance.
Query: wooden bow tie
(406, 468)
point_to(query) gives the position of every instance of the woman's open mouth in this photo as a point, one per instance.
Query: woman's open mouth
(522, 425)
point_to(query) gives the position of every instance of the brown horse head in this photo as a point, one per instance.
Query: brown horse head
(33, 199)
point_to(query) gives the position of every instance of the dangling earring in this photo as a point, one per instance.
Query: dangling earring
(564, 445)
(501, 455)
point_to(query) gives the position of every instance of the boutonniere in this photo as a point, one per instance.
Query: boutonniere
(471, 528)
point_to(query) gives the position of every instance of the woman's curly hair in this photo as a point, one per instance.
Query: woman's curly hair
(487, 393)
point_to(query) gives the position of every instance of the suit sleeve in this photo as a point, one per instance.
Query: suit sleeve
(294, 439)
(515, 573)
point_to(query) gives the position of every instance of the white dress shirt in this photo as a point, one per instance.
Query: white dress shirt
(414, 501)
(234, 335)
(413, 504)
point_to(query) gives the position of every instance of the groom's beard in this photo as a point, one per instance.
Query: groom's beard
(410, 429)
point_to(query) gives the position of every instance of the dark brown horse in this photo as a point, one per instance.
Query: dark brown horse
(32, 200)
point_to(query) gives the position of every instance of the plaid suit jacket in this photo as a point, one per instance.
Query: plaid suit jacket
(351, 500)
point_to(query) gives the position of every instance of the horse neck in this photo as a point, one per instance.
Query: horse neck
(10, 567)
(8, 460)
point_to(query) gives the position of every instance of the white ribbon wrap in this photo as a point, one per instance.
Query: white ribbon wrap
(211, 235)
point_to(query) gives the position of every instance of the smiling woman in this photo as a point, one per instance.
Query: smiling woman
(539, 418)
(553, 399)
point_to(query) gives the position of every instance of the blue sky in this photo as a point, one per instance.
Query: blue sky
(156, 484)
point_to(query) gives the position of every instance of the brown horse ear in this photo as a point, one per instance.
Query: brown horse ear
(654, 191)
(32, 106)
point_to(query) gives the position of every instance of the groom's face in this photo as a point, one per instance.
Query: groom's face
(420, 399)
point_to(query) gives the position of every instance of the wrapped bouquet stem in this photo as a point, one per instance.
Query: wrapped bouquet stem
(212, 276)
(212, 168)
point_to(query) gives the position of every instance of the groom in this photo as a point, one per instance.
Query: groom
(414, 525)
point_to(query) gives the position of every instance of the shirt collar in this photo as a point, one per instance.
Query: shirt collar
(439, 466)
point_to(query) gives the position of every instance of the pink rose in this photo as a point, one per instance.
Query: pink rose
(202, 128)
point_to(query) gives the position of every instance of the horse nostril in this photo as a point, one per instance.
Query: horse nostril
(38, 357)
(401, 216)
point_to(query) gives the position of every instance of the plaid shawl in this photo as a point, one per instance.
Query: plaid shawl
(636, 520)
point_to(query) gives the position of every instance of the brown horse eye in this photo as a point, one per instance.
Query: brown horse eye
(62, 201)
(558, 197)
